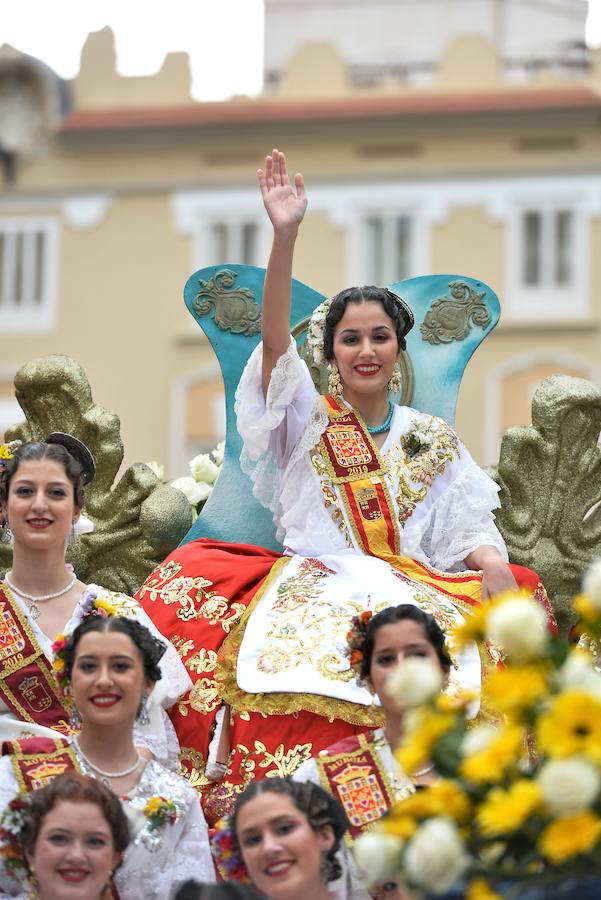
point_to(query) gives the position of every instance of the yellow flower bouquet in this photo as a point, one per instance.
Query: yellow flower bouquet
(517, 807)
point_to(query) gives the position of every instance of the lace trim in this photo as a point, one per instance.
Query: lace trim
(277, 703)
(461, 520)
(316, 426)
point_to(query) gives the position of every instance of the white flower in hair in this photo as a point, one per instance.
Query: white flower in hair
(316, 330)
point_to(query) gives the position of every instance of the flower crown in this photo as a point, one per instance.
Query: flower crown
(226, 854)
(11, 825)
(356, 638)
(7, 451)
(92, 606)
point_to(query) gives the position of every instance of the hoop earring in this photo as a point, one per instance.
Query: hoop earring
(7, 536)
(334, 382)
(396, 381)
(142, 717)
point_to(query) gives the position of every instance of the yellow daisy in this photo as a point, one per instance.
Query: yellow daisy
(503, 752)
(569, 837)
(481, 890)
(571, 726)
(515, 689)
(504, 811)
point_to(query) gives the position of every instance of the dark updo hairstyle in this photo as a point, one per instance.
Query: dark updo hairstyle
(223, 890)
(151, 649)
(74, 788)
(319, 807)
(64, 449)
(392, 614)
(394, 307)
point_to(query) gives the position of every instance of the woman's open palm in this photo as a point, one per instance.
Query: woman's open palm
(284, 203)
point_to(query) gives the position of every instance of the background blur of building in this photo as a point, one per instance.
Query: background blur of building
(454, 136)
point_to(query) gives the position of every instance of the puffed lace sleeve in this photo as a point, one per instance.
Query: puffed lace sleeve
(461, 516)
(273, 426)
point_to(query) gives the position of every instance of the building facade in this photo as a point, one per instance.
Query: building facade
(477, 166)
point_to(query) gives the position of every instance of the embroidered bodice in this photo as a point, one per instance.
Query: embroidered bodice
(442, 500)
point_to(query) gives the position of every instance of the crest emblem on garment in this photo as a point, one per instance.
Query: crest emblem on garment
(348, 446)
(11, 640)
(35, 694)
(361, 795)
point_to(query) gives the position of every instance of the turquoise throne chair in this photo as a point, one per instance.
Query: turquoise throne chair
(453, 315)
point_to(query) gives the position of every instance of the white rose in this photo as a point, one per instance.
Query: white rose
(378, 856)
(158, 470)
(569, 785)
(519, 628)
(478, 739)
(194, 491)
(415, 681)
(436, 857)
(592, 583)
(203, 468)
(578, 673)
(218, 452)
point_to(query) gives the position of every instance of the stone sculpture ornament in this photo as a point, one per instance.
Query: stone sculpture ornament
(137, 520)
(235, 308)
(450, 318)
(550, 478)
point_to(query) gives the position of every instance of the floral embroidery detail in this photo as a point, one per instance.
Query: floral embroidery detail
(203, 698)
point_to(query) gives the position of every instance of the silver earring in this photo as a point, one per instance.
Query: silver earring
(7, 536)
(71, 538)
(142, 716)
(74, 716)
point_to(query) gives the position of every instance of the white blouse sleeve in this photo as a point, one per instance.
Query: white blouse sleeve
(273, 426)
(461, 515)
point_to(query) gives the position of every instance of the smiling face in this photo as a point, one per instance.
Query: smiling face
(74, 855)
(393, 644)
(107, 679)
(281, 851)
(40, 505)
(365, 349)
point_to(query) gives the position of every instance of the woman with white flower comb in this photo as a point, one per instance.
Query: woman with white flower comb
(375, 504)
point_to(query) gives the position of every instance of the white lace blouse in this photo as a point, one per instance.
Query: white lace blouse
(453, 518)
(159, 735)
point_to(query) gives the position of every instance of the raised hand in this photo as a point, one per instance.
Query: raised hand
(285, 204)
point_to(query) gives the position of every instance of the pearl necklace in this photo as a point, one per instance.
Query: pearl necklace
(106, 777)
(34, 610)
(378, 429)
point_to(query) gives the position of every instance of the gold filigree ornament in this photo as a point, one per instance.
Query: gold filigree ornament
(450, 318)
(138, 520)
(234, 308)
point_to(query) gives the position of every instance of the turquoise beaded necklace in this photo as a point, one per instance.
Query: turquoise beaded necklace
(378, 429)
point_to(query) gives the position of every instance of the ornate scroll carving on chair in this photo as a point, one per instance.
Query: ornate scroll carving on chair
(449, 318)
(235, 309)
(550, 478)
(139, 520)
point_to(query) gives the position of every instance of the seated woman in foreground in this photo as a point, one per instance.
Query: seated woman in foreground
(105, 667)
(42, 488)
(375, 504)
(362, 772)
